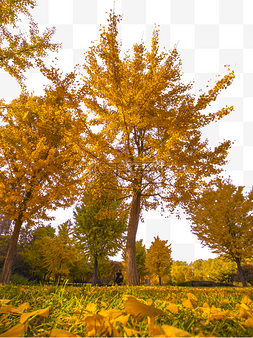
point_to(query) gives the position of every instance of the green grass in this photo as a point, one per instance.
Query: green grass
(80, 310)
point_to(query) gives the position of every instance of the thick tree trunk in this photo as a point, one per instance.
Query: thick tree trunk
(240, 272)
(6, 272)
(95, 273)
(131, 266)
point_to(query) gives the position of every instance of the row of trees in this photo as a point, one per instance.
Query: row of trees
(42, 255)
(149, 147)
(156, 263)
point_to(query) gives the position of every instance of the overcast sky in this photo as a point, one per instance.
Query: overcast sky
(208, 35)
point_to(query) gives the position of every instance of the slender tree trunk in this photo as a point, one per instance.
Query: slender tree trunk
(160, 281)
(95, 273)
(131, 266)
(6, 272)
(56, 279)
(240, 272)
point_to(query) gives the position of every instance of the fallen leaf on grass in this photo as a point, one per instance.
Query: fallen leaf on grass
(91, 307)
(244, 311)
(139, 310)
(213, 313)
(4, 301)
(171, 331)
(16, 331)
(192, 296)
(15, 310)
(225, 301)
(111, 313)
(246, 300)
(154, 330)
(172, 308)
(25, 316)
(248, 322)
(97, 325)
(187, 303)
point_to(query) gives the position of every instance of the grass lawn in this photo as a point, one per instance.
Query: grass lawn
(124, 311)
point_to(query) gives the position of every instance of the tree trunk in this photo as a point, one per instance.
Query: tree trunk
(240, 272)
(160, 281)
(6, 272)
(131, 266)
(56, 279)
(95, 273)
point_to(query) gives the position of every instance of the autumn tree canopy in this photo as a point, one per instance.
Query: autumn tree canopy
(221, 217)
(35, 252)
(150, 126)
(158, 260)
(41, 160)
(18, 51)
(60, 252)
(100, 222)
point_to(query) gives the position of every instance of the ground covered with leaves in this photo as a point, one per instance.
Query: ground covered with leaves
(123, 311)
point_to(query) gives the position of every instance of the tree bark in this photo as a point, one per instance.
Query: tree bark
(240, 272)
(56, 279)
(95, 273)
(160, 281)
(131, 266)
(6, 272)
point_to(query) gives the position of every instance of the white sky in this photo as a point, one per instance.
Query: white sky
(208, 34)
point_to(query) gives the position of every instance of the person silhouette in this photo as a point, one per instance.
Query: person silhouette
(119, 278)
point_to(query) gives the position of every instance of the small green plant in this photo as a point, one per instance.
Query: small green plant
(19, 280)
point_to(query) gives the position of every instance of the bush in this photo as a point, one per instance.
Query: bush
(19, 280)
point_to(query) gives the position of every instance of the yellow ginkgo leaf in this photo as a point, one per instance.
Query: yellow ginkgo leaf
(225, 301)
(219, 315)
(17, 310)
(136, 308)
(61, 333)
(4, 301)
(91, 307)
(22, 307)
(243, 313)
(173, 298)
(172, 307)
(111, 313)
(154, 330)
(97, 324)
(172, 331)
(122, 319)
(16, 331)
(246, 300)
(25, 316)
(205, 305)
(191, 296)
(248, 322)
(187, 303)
(149, 301)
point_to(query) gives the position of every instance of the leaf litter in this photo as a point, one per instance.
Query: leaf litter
(156, 312)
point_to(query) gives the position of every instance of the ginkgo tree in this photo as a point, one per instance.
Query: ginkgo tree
(35, 251)
(221, 217)
(100, 221)
(150, 126)
(18, 51)
(60, 252)
(158, 260)
(41, 158)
